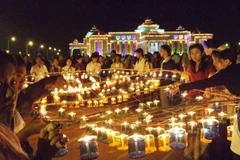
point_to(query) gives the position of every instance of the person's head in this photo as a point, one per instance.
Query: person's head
(39, 60)
(165, 51)
(79, 59)
(60, 58)
(223, 58)
(101, 59)
(55, 62)
(8, 89)
(118, 58)
(139, 53)
(211, 44)
(20, 72)
(196, 52)
(25, 58)
(113, 53)
(69, 62)
(156, 55)
(94, 57)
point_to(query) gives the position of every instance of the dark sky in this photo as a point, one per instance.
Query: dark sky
(57, 22)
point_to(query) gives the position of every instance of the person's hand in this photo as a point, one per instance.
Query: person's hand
(55, 81)
(53, 135)
(34, 126)
(174, 90)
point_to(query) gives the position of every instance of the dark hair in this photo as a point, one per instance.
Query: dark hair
(139, 50)
(158, 54)
(19, 60)
(212, 43)
(39, 57)
(225, 54)
(118, 55)
(167, 48)
(203, 64)
(198, 46)
(5, 59)
(95, 55)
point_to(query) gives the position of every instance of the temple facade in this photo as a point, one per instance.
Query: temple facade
(147, 36)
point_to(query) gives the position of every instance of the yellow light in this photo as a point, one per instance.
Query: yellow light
(239, 43)
(7, 51)
(13, 38)
(41, 46)
(55, 49)
(50, 48)
(226, 45)
(30, 43)
(59, 50)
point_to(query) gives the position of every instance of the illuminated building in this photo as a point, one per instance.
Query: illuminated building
(147, 36)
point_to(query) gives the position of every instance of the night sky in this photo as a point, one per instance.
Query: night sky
(57, 22)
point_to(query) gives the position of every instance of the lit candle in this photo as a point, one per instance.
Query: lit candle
(209, 111)
(221, 116)
(163, 142)
(174, 76)
(88, 147)
(112, 138)
(122, 142)
(211, 129)
(149, 130)
(182, 80)
(150, 143)
(113, 100)
(101, 104)
(125, 109)
(72, 116)
(89, 104)
(151, 88)
(191, 114)
(146, 90)
(61, 112)
(138, 92)
(149, 104)
(105, 100)
(192, 127)
(156, 103)
(199, 98)
(119, 98)
(136, 146)
(117, 111)
(125, 98)
(125, 126)
(184, 96)
(181, 116)
(177, 138)
(95, 102)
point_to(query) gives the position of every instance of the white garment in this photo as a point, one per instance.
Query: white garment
(19, 123)
(68, 69)
(235, 145)
(116, 65)
(93, 68)
(38, 72)
(142, 66)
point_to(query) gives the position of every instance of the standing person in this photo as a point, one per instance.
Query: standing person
(199, 68)
(167, 64)
(9, 144)
(94, 66)
(142, 64)
(39, 70)
(156, 60)
(79, 66)
(117, 64)
(27, 63)
(225, 63)
(61, 61)
(55, 67)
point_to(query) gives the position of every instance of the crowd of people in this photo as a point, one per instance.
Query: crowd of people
(214, 66)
